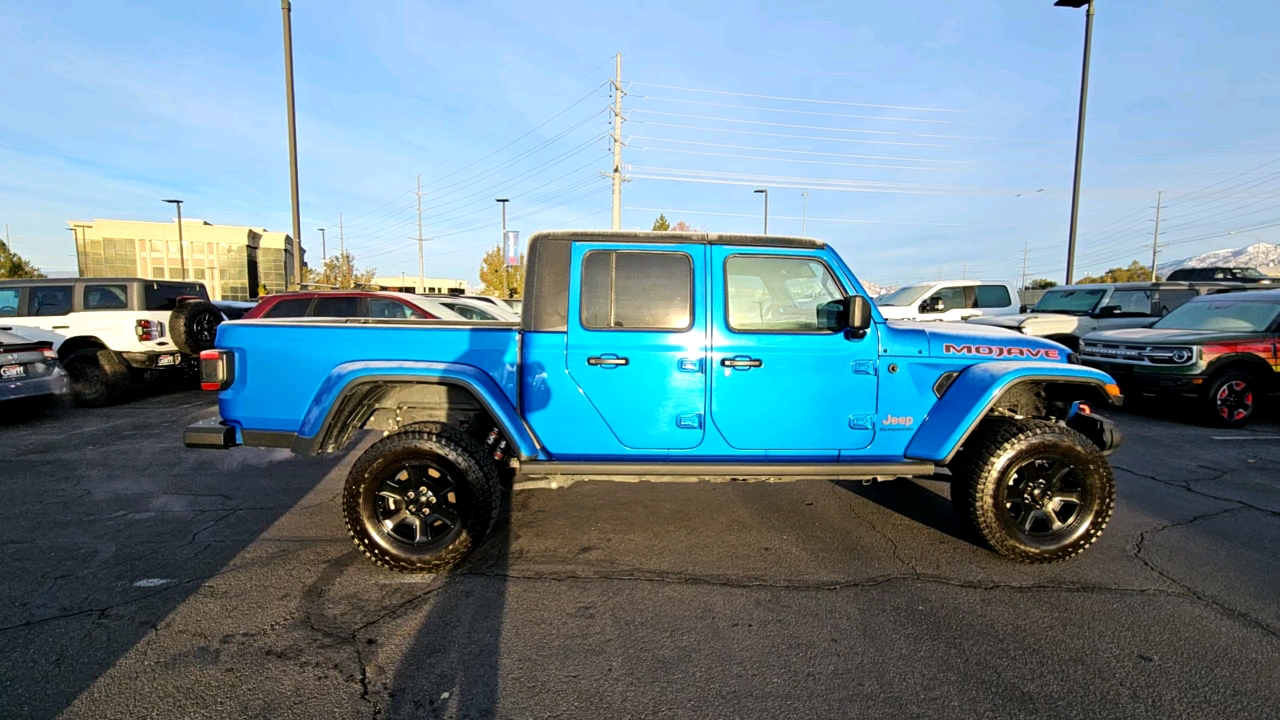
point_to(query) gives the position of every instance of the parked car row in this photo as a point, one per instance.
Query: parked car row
(104, 335)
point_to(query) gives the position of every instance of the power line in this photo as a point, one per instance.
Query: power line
(816, 101)
(883, 118)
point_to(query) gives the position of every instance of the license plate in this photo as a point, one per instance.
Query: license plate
(165, 360)
(12, 372)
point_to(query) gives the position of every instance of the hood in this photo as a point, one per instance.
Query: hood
(895, 312)
(1033, 323)
(1153, 336)
(970, 340)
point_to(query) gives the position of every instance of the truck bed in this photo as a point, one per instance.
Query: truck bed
(281, 365)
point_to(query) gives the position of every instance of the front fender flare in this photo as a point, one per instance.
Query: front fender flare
(973, 393)
(318, 424)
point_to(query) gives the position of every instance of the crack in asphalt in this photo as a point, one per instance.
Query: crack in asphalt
(1186, 486)
(843, 496)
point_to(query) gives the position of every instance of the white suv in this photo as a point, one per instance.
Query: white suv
(109, 331)
(949, 300)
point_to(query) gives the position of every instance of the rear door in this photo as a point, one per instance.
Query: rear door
(49, 305)
(784, 375)
(637, 341)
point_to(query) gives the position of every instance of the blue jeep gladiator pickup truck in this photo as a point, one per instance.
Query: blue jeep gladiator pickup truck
(672, 355)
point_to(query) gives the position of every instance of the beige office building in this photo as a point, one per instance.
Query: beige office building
(423, 286)
(233, 262)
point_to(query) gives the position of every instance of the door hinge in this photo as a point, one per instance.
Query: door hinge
(862, 422)
(864, 367)
(690, 421)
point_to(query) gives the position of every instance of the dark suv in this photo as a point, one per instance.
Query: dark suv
(1248, 276)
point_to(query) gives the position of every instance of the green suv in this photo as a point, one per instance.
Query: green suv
(1218, 351)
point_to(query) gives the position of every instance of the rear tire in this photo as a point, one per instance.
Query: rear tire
(1231, 400)
(1034, 491)
(193, 326)
(421, 499)
(98, 377)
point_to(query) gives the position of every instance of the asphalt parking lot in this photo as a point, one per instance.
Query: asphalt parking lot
(142, 579)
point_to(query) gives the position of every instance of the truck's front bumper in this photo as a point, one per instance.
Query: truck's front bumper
(210, 433)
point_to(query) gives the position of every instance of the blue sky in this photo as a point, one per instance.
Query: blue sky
(934, 138)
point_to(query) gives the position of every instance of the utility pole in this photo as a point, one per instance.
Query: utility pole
(342, 244)
(502, 245)
(804, 214)
(617, 146)
(182, 255)
(1155, 238)
(285, 11)
(964, 271)
(1084, 99)
(1025, 245)
(422, 282)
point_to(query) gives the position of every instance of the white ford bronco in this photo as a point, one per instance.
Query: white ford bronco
(109, 332)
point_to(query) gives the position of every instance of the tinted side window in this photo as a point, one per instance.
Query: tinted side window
(993, 296)
(383, 308)
(164, 296)
(288, 308)
(637, 290)
(9, 301)
(106, 297)
(49, 300)
(781, 294)
(1131, 302)
(1170, 299)
(338, 307)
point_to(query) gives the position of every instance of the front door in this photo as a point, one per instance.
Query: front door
(784, 376)
(637, 347)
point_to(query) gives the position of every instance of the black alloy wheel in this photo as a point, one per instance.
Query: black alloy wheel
(204, 328)
(1232, 400)
(1044, 497)
(419, 504)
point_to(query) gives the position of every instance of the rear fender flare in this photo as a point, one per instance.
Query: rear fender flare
(975, 391)
(330, 418)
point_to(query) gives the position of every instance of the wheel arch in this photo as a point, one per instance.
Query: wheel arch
(1030, 389)
(78, 343)
(1259, 369)
(388, 399)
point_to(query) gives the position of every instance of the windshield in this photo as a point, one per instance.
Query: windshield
(1233, 316)
(903, 296)
(1071, 302)
(1245, 273)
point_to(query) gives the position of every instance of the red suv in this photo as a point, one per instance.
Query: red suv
(349, 304)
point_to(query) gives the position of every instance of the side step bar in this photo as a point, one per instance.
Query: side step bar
(685, 472)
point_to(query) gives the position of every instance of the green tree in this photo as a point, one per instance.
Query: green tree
(1136, 272)
(1041, 284)
(13, 265)
(493, 270)
(339, 271)
(661, 224)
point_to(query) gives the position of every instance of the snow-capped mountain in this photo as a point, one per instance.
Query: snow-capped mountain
(877, 290)
(1263, 256)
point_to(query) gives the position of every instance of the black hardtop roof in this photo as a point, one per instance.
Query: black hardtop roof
(1262, 296)
(654, 236)
(96, 280)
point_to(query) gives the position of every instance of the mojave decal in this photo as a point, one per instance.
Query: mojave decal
(1000, 351)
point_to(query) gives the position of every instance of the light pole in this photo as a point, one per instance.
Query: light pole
(182, 256)
(324, 254)
(1242, 232)
(804, 214)
(503, 245)
(1084, 97)
(766, 208)
(285, 11)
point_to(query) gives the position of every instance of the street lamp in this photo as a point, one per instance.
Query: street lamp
(503, 245)
(323, 253)
(1242, 232)
(1084, 95)
(804, 214)
(766, 208)
(182, 257)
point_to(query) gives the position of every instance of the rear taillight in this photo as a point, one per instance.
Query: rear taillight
(50, 354)
(146, 330)
(217, 369)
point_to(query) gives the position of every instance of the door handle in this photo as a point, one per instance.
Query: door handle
(741, 361)
(607, 360)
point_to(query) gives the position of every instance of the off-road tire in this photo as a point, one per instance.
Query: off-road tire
(98, 377)
(193, 326)
(471, 468)
(989, 462)
(1229, 381)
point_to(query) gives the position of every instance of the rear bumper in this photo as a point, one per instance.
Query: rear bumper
(210, 434)
(159, 360)
(56, 383)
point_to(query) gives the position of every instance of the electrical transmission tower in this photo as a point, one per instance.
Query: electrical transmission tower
(422, 281)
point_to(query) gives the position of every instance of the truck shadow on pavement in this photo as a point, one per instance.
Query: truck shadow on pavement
(912, 501)
(109, 525)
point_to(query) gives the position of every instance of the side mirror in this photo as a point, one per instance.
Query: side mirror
(859, 317)
(933, 305)
(1108, 310)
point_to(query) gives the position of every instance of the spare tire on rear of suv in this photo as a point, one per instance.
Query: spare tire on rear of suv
(193, 325)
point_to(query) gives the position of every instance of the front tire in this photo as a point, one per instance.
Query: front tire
(421, 499)
(98, 377)
(1033, 491)
(1231, 400)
